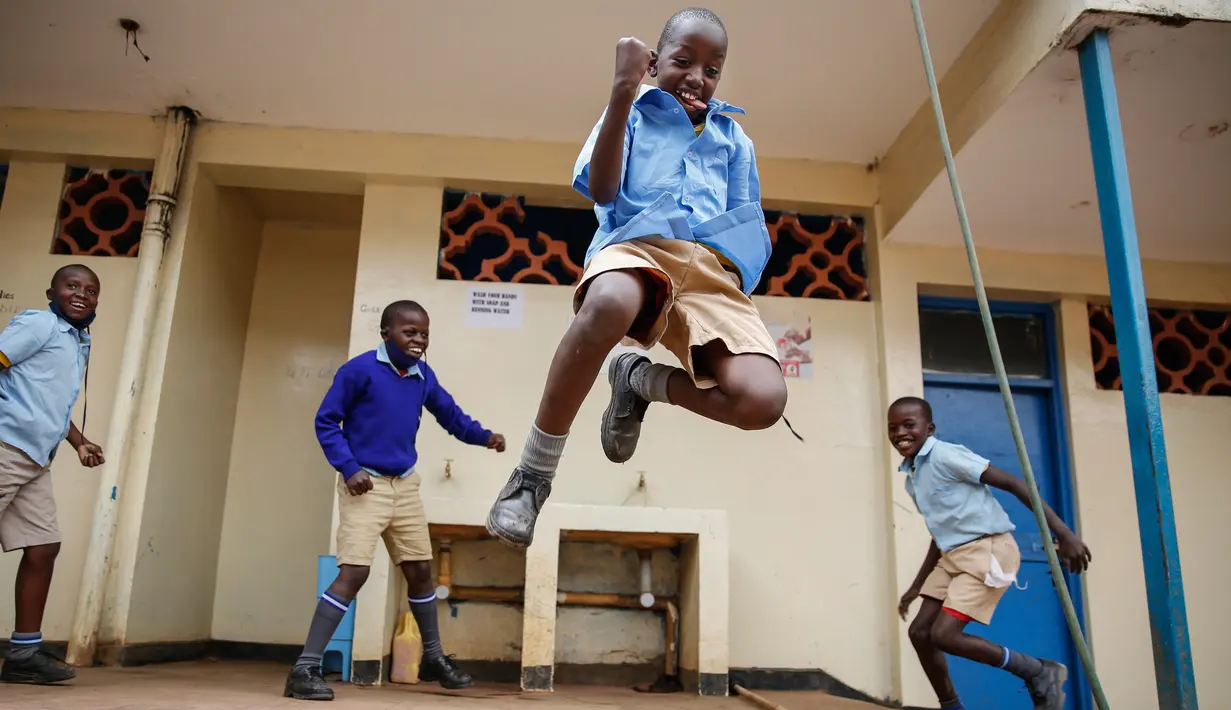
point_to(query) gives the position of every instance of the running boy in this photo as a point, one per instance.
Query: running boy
(681, 244)
(367, 426)
(43, 357)
(972, 559)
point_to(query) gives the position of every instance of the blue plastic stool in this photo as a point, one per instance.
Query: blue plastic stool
(337, 651)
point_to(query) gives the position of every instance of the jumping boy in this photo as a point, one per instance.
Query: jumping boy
(681, 244)
(972, 559)
(367, 426)
(43, 357)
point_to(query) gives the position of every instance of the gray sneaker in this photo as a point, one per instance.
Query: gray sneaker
(621, 427)
(1047, 688)
(512, 518)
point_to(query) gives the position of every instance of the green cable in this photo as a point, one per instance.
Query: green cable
(1057, 575)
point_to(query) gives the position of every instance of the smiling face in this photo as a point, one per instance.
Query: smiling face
(909, 427)
(75, 291)
(408, 333)
(689, 64)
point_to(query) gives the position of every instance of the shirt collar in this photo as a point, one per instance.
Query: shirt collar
(923, 451)
(382, 355)
(653, 95)
(65, 327)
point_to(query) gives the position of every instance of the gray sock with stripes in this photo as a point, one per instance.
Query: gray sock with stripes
(329, 612)
(23, 646)
(424, 611)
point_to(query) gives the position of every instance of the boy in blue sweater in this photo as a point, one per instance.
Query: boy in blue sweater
(43, 358)
(367, 426)
(973, 557)
(680, 246)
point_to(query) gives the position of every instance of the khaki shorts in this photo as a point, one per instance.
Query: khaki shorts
(27, 505)
(696, 302)
(959, 583)
(392, 510)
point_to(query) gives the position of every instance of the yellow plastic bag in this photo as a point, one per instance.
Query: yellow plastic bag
(407, 651)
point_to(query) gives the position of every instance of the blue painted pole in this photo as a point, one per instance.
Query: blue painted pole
(1173, 662)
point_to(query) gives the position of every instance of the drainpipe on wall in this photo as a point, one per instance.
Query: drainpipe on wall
(159, 211)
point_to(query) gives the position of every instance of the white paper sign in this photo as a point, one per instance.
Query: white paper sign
(495, 306)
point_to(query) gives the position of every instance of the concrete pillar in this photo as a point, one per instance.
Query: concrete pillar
(538, 642)
(397, 219)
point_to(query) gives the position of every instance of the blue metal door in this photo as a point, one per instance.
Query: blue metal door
(960, 384)
(1028, 620)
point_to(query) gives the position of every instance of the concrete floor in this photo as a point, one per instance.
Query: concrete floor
(208, 685)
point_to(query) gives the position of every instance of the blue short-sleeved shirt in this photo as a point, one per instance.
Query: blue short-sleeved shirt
(677, 184)
(46, 358)
(945, 482)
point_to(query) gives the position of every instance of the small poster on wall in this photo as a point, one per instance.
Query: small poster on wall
(794, 342)
(495, 306)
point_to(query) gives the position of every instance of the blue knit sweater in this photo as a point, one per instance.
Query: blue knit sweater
(370, 416)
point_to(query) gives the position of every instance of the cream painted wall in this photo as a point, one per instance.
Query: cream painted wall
(174, 578)
(28, 222)
(807, 522)
(1115, 585)
(1201, 494)
(297, 337)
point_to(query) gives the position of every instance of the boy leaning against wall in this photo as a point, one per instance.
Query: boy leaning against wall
(367, 425)
(43, 358)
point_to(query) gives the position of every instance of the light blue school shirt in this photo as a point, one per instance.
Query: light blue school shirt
(944, 481)
(676, 184)
(46, 358)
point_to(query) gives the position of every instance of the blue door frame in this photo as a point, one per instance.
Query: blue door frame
(1080, 686)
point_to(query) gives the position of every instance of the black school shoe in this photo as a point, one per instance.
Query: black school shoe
(40, 669)
(511, 519)
(307, 683)
(444, 671)
(621, 424)
(1047, 688)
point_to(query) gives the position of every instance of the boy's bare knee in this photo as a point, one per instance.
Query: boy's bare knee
(944, 636)
(611, 303)
(920, 634)
(761, 404)
(418, 571)
(41, 555)
(350, 579)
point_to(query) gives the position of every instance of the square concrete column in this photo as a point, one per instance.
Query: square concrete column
(397, 221)
(538, 641)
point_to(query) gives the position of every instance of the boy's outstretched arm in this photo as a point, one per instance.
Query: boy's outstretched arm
(606, 151)
(453, 420)
(930, 561)
(1072, 550)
